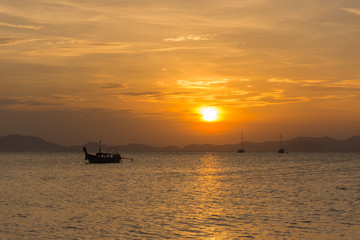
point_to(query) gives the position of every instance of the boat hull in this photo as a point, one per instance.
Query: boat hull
(95, 159)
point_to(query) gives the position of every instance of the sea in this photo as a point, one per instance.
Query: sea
(181, 195)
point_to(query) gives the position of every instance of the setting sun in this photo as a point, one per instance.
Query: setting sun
(209, 114)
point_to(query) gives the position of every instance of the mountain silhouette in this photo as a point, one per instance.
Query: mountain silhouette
(19, 143)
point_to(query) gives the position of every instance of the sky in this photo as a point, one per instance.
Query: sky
(140, 71)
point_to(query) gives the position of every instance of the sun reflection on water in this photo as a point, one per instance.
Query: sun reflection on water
(211, 199)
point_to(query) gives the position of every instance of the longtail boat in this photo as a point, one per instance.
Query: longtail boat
(103, 157)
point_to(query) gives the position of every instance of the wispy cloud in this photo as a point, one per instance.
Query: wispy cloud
(150, 93)
(335, 96)
(17, 41)
(107, 84)
(352, 10)
(239, 93)
(30, 101)
(20, 26)
(156, 96)
(7, 41)
(101, 111)
(279, 80)
(311, 83)
(66, 46)
(155, 93)
(67, 98)
(113, 85)
(276, 97)
(302, 82)
(202, 84)
(174, 39)
(169, 49)
(346, 84)
(26, 101)
(205, 37)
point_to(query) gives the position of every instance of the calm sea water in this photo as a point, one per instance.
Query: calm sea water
(181, 196)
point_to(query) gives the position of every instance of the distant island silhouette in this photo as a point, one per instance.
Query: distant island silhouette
(20, 143)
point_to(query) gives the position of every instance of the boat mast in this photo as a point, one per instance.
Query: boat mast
(242, 140)
(100, 147)
(241, 150)
(281, 150)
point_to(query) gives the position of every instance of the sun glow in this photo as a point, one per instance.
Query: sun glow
(209, 114)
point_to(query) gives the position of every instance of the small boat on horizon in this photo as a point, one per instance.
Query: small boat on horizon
(282, 149)
(241, 150)
(101, 157)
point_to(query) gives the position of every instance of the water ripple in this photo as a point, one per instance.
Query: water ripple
(181, 196)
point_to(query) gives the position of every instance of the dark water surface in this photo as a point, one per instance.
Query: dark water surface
(181, 196)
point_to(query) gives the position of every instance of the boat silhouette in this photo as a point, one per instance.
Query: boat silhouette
(282, 149)
(103, 157)
(242, 150)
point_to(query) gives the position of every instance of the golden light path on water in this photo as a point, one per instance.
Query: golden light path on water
(211, 196)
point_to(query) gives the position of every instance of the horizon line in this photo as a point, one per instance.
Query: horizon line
(175, 145)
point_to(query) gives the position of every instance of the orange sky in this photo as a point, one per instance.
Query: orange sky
(139, 70)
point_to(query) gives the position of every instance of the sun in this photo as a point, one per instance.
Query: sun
(209, 114)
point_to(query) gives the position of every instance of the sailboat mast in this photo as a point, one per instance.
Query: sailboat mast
(242, 140)
(281, 150)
